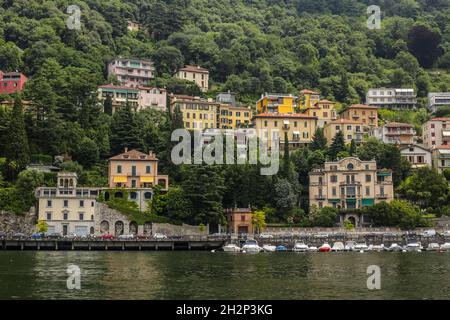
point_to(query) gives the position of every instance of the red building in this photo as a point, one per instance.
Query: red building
(11, 82)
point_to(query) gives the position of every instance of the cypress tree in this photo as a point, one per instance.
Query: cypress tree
(107, 105)
(352, 150)
(337, 146)
(286, 160)
(125, 131)
(17, 151)
(319, 141)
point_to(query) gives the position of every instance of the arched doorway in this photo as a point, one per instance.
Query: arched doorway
(104, 226)
(91, 230)
(147, 228)
(118, 194)
(352, 220)
(133, 228)
(118, 227)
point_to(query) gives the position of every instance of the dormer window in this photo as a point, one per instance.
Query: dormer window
(125, 156)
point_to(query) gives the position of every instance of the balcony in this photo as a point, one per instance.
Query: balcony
(320, 197)
(350, 196)
(350, 183)
(382, 196)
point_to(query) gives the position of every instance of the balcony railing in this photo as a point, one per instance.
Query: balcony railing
(382, 196)
(320, 197)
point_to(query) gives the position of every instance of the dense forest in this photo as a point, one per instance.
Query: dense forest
(249, 46)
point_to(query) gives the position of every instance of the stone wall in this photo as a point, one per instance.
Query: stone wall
(13, 223)
(174, 230)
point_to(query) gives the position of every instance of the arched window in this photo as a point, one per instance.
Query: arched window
(148, 195)
(133, 195)
(350, 166)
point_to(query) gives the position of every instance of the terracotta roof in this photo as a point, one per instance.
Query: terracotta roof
(440, 119)
(191, 68)
(307, 91)
(284, 115)
(112, 86)
(397, 124)
(326, 101)
(361, 106)
(134, 155)
(150, 88)
(345, 121)
(443, 147)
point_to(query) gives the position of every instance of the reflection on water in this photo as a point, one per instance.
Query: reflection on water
(204, 275)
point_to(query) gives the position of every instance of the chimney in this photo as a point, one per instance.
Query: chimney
(150, 153)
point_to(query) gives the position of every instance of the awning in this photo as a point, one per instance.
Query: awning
(297, 132)
(286, 121)
(367, 202)
(146, 179)
(446, 133)
(120, 179)
(334, 200)
(383, 174)
(350, 200)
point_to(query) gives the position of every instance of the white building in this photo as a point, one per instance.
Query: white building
(392, 98)
(438, 99)
(395, 133)
(132, 72)
(417, 155)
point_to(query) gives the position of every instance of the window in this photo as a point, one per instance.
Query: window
(333, 178)
(49, 203)
(133, 183)
(92, 217)
(81, 216)
(81, 203)
(119, 169)
(92, 203)
(367, 191)
(242, 218)
(66, 203)
(49, 216)
(265, 123)
(65, 216)
(275, 123)
(333, 191)
(133, 170)
(350, 166)
(368, 178)
(147, 169)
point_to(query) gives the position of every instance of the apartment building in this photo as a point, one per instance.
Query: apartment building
(132, 72)
(195, 74)
(352, 130)
(198, 113)
(277, 103)
(392, 98)
(232, 117)
(308, 99)
(417, 155)
(437, 100)
(350, 183)
(368, 115)
(12, 82)
(395, 133)
(436, 132)
(441, 158)
(300, 128)
(152, 98)
(227, 98)
(324, 110)
(67, 208)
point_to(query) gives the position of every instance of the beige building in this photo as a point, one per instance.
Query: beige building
(352, 130)
(195, 74)
(441, 158)
(299, 127)
(232, 117)
(436, 132)
(395, 133)
(198, 114)
(350, 184)
(324, 110)
(368, 115)
(67, 209)
(239, 220)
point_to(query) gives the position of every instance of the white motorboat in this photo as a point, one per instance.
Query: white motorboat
(300, 247)
(231, 247)
(269, 248)
(378, 248)
(413, 247)
(394, 248)
(445, 246)
(251, 246)
(349, 245)
(338, 246)
(361, 247)
(433, 247)
(312, 249)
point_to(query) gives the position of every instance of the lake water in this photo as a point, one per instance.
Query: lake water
(205, 275)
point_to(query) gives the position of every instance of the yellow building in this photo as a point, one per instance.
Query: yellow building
(277, 103)
(324, 111)
(350, 184)
(308, 99)
(198, 114)
(352, 130)
(232, 117)
(368, 115)
(135, 169)
(67, 208)
(195, 74)
(299, 127)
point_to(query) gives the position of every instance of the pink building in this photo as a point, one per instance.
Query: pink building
(152, 97)
(132, 72)
(11, 82)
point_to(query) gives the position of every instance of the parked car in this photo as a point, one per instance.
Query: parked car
(19, 235)
(446, 233)
(106, 236)
(265, 236)
(126, 236)
(159, 236)
(70, 236)
(142, 237)
(54, 235)
(38, 235)
(428, 233)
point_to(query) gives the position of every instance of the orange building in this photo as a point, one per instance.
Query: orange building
(368, 115)
(239, 220)
(135, 169)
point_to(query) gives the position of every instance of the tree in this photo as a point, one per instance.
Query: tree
(41, 226)
(87, 154)
(16, 149)
(168, 60)
(319, 141)
(352, 150)
(259, 220)
(426, 188)
(125, 131)
(325, 217)
(337, 146)
(423, 43)
(108, 105)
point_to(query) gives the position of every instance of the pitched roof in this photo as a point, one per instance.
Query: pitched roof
(327, 101)
(191, 68)
(443, 147)
(397, 124)
(361, 106)
(134, 155)
(307, 91)
(345, 121)
(440, 119)
(150, 88)
(114, 87)
(284, 115)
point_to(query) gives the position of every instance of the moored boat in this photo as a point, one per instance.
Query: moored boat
(349, 245)
(378, 247)
(433, 247)
(280, 248)
(445, 246)
(361, 247)
(312, 249)
(251, 246)
(231, 247)
(338, 246)
(325, 247)
(300, 247)
(269, 248)
(413, 247)
(394, 248)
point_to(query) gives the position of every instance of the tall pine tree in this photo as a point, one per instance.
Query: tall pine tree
(337, 146)
(17, 151)
(319, 141)
(125, 131)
